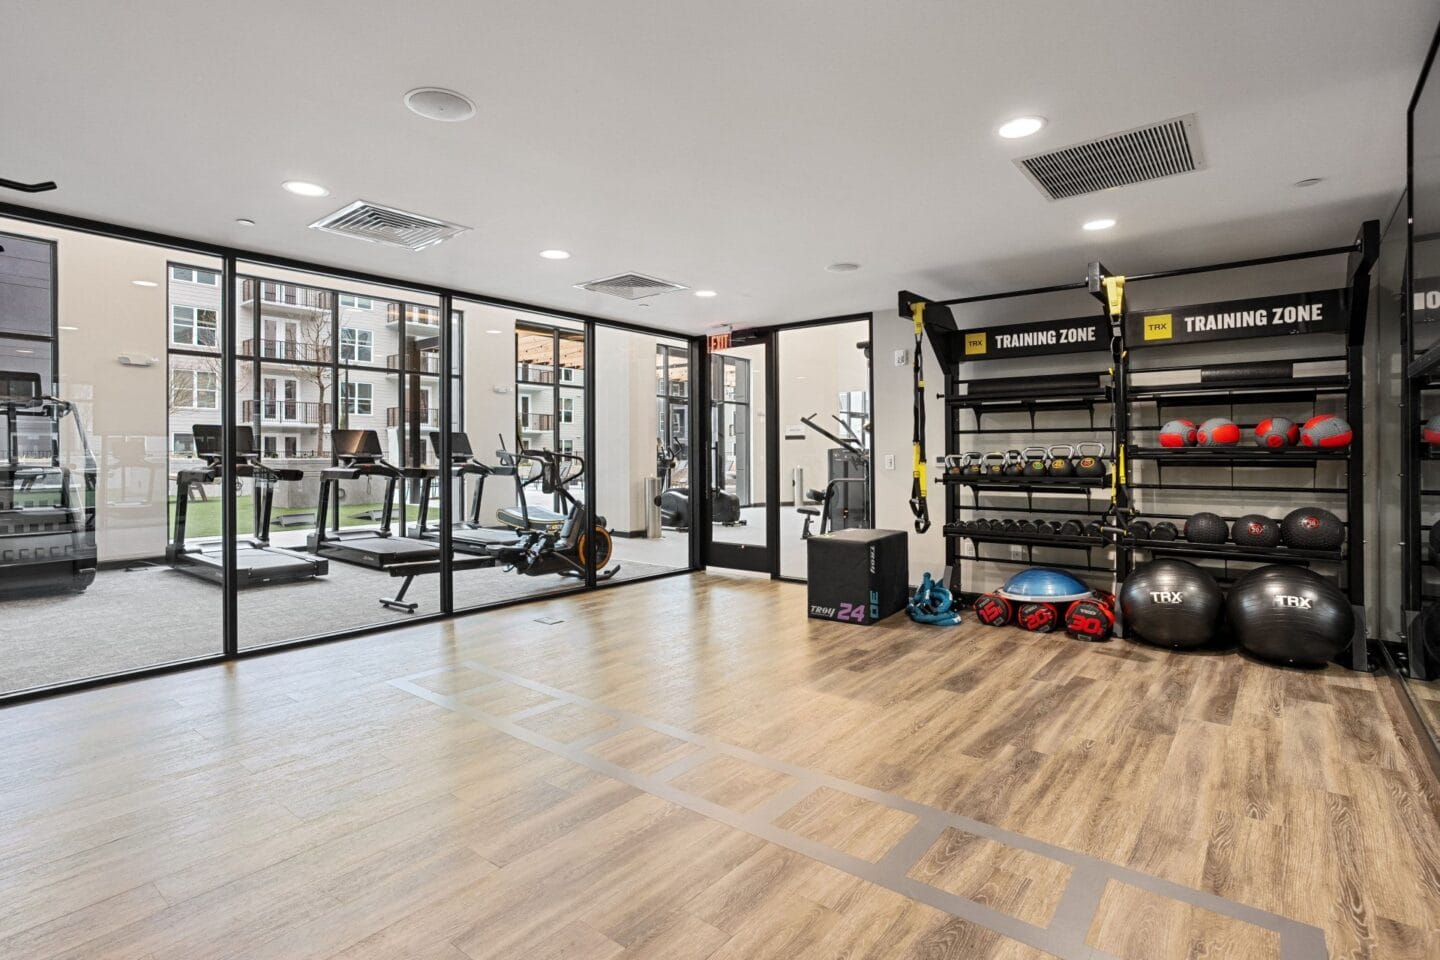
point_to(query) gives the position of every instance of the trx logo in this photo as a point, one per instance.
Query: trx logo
(975, 342)
(1285, 600)
(1159, 326)
(1167, 596)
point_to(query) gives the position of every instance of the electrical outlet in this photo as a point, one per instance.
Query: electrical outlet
(889, 461)
(902, 357)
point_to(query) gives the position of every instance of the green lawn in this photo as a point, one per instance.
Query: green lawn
(202, 517)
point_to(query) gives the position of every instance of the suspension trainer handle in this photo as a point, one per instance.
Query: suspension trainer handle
(920, 480)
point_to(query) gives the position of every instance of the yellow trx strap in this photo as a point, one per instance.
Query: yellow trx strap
(920, 484)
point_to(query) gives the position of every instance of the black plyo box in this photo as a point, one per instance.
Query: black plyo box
(858, 576)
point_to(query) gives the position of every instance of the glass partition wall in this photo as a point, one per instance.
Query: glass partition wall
(88, 478)
(146, 389)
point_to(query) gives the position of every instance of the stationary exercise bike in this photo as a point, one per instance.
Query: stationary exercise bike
(845, 501)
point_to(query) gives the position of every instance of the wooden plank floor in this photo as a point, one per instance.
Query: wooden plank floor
(302, 805)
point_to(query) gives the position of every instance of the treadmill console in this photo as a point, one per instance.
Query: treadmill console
(210, 440)
(460, 449)
(357, 445)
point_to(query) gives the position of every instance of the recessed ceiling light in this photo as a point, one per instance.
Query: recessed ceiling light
(69, 328)
(642, 305)
(843, 267)
(1309, 181)
(24, 352)
(555, 254)
(1104, 223)
(705, 293)
(145, 283)
(303, 188)
(492, 331)
(437, 103)
(245, 221)
(1021, 127)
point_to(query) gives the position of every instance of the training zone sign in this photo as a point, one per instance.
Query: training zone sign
(1320, 311)
(1042, 338)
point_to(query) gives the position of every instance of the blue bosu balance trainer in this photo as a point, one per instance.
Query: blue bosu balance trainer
(1044, 585)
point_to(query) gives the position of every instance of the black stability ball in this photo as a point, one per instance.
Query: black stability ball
(1290, 615)
(1254, 530)
(1206, 527)
(1311, 528)
(1171, 603)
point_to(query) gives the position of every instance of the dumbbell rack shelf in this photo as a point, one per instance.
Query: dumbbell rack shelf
(1046, 484)
(1233, 551)
(1237, 456)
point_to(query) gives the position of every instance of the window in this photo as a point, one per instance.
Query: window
(292, 447)
(567, 445)
(567, 410)
(195, 390)
(358, 303)
(183, 444)
(358, 398)
(193, 327)
(195, 275)
(356, 345)
(567, 374)
(268, 444)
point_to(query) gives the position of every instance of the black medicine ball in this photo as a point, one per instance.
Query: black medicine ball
(1254, 530)
(1311, 528)
(1171, 603)
(1290, 615)
(1206, 527)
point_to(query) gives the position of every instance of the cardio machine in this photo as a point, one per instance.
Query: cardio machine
(567, 549)
(256, 562)
(470, 535)
(47, 536)
(845, 500)
(359, 455)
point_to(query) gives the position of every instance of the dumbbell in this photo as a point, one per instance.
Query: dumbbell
(1165, 530)
(1092, 529)
(1139, 529)
(980, 525)
(1046, 528)
(1026, 527)
(1071, 528)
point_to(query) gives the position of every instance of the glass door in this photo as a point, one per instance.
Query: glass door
(740, 497)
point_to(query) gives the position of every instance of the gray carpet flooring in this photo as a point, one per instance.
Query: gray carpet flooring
(150, 615)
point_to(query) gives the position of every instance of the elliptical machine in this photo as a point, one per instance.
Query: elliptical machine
(674, 502)
(845, 501)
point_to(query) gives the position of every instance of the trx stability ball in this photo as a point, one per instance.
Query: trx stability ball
(1290, 615)
(1171, 603)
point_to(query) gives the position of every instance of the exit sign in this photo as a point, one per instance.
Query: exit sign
(719, 341)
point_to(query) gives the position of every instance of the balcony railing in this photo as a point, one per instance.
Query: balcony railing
(287, 350)
(429, 363)
(426, 315)
(534, 373)
(428, 417)
(537, 422)
(287, 411)
(289, 295)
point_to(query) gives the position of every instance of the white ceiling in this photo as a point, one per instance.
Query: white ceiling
(739, 146)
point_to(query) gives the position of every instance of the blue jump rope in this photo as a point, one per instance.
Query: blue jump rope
(933, 603)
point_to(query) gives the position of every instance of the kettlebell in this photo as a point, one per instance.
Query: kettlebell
(1035, 463)
(993, 464)
(955, 463)
(1090, 464)
(970, 464)
(1062, 466)
(1014, 463)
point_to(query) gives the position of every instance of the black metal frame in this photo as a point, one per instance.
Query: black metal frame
(703, 545)
(231, 258)
(946, 339)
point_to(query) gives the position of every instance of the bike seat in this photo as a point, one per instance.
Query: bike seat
(808, 511)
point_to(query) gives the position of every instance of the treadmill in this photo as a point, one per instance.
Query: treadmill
(256, 562)
(359, 455)
(469, 535)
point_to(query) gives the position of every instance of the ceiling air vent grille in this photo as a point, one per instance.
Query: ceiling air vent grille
(630, 286)
(396, 228)
(1145, 153)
